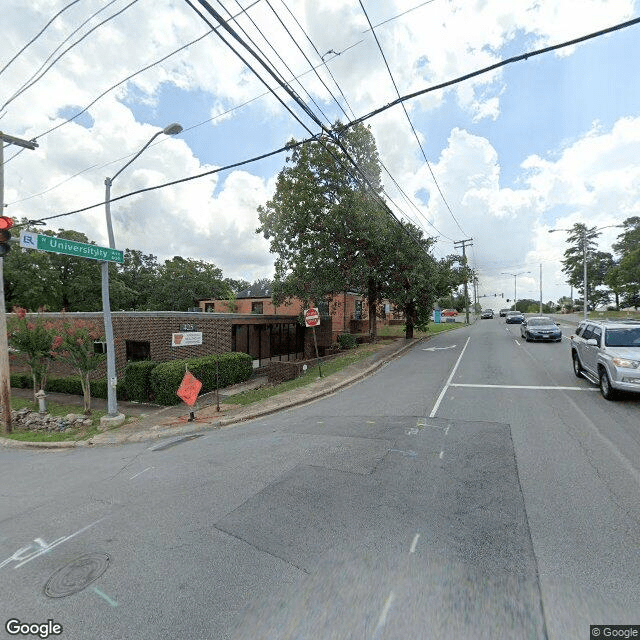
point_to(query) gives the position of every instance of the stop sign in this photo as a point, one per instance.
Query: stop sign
(311, 317)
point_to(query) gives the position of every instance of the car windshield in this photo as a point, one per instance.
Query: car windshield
(539, 322)
(623, 337)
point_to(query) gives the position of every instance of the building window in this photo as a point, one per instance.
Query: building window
(257, 307)
(358, 313)
(323, 308)
(99, 347)
(209, 306)
(138, 350)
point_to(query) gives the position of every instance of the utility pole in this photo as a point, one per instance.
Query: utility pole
(5, 373)
(541, 288)
(463, 244)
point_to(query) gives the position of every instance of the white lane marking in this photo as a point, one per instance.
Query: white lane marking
(452, 346)
(441, 454)
(516, 386)
(385, 611)
(413, 454)
(140, 473)
(19, 556)
(448, 383)
(516, 341)
(414, 543)
(113, 603)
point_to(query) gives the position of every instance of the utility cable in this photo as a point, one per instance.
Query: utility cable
(46, 26)
(65, 41)
(28, 85)
(406, 113)
(497, 65)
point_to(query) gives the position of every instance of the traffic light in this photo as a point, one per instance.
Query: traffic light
(507, 299)
(5, 235)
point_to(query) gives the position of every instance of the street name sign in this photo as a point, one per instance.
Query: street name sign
(29, 240)
(312, 317)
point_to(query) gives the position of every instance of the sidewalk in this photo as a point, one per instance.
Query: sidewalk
(154, 422)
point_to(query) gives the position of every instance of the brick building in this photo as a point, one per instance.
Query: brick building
(167, 335)
(349, 312)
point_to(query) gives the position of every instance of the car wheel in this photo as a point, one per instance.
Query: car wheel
(605, 385)
(577, 367)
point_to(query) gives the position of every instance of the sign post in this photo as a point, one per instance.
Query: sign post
(312, 319)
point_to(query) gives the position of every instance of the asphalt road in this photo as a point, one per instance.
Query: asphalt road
(471, 488)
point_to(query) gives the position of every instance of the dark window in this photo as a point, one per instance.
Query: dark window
(323, 308)
(257, 307)
(138, 350)
(99, 347)
(597, 334)
(209, 306)
(358, 313)
(579, 330)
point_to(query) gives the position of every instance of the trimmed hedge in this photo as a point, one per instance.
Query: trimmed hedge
(167, 376)
(70, 385)
(347, 341)
(136, 383)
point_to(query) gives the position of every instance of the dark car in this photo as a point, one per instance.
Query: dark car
(514, 317)
(487, 313)
(540, 328)
(503, 312)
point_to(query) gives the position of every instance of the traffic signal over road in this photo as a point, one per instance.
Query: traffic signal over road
(5, 235)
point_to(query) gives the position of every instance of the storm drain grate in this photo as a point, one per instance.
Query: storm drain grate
(76, 575)
(173, 443)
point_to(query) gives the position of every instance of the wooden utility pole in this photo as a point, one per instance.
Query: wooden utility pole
(5, 374)
(464, 244)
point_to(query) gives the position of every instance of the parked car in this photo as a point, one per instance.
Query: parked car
(514, 317)
(487, 313)
(607, 353)
(503, 312)
(540, 328)
(449, 312)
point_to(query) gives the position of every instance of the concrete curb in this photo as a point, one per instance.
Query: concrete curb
(270, 406)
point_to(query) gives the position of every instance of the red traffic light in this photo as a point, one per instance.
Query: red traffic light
(6, 222)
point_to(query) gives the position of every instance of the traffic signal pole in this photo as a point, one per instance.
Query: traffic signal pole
(5, 374)
(463, 244)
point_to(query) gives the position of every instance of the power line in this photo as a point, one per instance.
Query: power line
(30, 84)
(46, 26)
(406, 113)
(497, 65)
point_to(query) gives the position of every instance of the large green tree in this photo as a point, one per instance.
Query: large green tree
(326, 221)
(628, 248)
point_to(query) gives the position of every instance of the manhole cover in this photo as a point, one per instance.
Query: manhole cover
(76, 575)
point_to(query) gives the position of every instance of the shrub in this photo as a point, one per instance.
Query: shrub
(347, 341)
(167, 376)
(137, 380)
(21, 381)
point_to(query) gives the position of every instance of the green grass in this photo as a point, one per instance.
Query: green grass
(626, 315)
(432, 329)
(55, 409)
(331, 366)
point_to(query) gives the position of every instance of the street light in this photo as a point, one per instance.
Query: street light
(515, 281)
(113, 417)
(584, 257)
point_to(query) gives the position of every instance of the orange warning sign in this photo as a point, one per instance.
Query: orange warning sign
(189, 388)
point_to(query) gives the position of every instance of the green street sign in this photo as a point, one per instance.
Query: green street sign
(29, 240)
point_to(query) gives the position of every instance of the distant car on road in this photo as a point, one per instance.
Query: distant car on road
(540, 328)
(449, 312)
(514, 317)
(607, 353)
(487, 313)
(503, 312)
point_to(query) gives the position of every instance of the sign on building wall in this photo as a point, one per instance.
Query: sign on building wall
(186, 339)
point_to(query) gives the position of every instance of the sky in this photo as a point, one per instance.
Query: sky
(535, 145)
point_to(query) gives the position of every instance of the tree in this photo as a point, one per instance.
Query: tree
(132, 283)
(35, 339)
(628, 247)
(184, 281)
(35, 279)
(325, 221)
(75, 345)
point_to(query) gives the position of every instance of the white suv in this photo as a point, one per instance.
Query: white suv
(607, 353)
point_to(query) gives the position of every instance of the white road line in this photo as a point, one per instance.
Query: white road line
(441, 454)
(140, 473)
(516, 342)
(385, 611)
(414, 543)
(113, 603)
(448, 383)
(516, 386)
